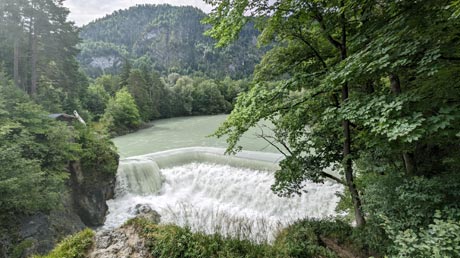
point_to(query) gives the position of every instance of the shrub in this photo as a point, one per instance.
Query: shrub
(172, 241)
(440, 239)
(74, 246)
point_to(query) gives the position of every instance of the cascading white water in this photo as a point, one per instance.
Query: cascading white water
(215, 193)
(138, 177)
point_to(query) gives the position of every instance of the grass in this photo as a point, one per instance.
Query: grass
(302, 239)
(75, 246)
(258, 230)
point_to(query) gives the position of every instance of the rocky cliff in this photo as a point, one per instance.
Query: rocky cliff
(90, 190)
(83, 204)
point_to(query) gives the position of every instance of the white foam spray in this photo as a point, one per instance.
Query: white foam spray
(210, 197)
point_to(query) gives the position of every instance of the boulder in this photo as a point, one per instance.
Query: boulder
(146, 212)
(123, 242)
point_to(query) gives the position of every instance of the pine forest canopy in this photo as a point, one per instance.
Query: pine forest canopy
(165, 38)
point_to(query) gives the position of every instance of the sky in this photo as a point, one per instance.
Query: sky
(84, 11)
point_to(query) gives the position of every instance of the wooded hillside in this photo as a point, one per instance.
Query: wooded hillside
(167, 39)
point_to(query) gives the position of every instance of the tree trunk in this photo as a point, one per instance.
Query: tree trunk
(17, 80)
(33, 64)
(395, 84)
(348, 166)
(347, 160)
(408, 157)
(409, 163)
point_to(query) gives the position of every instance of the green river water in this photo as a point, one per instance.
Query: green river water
(183, 132)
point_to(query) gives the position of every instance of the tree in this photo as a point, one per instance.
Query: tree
(367, 66)
(122, 114)
(313, 37)
(207, 99)
(39, 49)
(34, 154)
(96, 100)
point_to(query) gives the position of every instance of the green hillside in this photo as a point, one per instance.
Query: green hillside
(165, 38)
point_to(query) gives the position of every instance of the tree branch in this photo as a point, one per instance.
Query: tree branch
(320, 58)
(338, 180)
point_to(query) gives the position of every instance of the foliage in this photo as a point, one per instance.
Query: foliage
(147, 91)
(74, 246)
(35, 151)
(96, 100)
(122, 114)
(165, 38)
(98, 152)
(301, 239)
(410, 202)
(439, 239)
(174, 241)
(360, 85)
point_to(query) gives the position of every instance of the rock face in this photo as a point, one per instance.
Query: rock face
(40, 232)
(124, 241)
(119, 243)
(83, 205)
(90, 191)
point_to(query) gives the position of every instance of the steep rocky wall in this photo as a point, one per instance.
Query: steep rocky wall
(90, 191)
(83, 204)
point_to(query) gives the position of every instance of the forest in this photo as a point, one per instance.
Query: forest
(367, 88)
(167, 39)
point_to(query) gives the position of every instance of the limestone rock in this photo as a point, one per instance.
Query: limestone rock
(146, 212)
(123, 242)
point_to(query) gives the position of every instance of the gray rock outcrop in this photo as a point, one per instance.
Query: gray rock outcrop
(123, 242)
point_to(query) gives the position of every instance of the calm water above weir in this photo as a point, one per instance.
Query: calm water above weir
(182, 132)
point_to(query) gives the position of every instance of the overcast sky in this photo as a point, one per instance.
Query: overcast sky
(84, 11)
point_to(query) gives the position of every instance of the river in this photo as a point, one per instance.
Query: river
(174, 168)
(182, 132)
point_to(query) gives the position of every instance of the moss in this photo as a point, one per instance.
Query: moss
(75, 246)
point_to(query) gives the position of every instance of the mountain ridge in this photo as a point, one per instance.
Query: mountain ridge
(166, 38)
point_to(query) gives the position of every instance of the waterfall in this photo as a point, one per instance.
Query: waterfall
(141, 177)
(209, 192)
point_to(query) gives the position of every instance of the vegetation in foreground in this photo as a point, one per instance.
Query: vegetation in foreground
(303, 239)
(75, 246)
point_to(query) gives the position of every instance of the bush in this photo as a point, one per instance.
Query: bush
(440, 239)
(98, 152)
(410, 202)
(171, 241)
(302, 239)
(74, 246)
